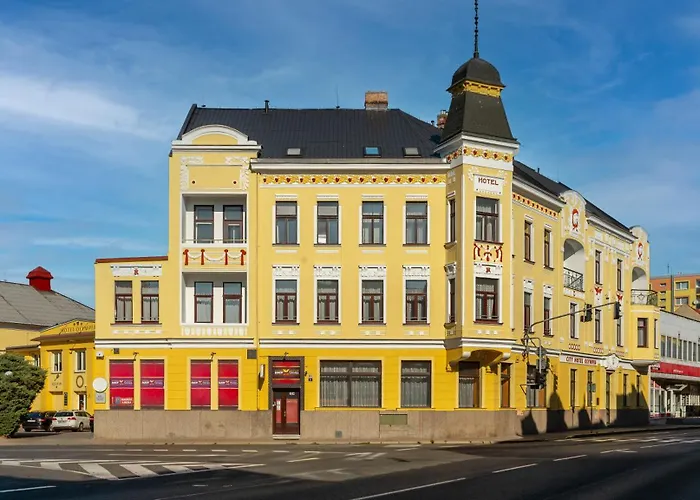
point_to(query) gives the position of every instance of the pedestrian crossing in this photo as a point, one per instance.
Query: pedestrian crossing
(114, 470)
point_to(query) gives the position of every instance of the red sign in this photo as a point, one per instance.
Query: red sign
(676, 369)
(286, 372)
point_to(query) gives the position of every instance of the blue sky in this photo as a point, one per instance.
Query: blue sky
(602, 95)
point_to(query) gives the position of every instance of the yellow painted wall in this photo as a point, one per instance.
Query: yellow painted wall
(16, 337)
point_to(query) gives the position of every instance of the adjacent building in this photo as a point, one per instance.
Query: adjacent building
(363, 274)
(52, 331)
(677, 290)
(675, 385)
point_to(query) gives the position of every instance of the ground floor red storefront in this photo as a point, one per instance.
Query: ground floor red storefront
(674, 390)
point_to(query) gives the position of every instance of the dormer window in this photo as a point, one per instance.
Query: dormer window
(372, 151)
(411, 151)
(293, 151)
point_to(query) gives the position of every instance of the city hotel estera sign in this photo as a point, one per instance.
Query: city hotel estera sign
(488, 184)
(578, 360)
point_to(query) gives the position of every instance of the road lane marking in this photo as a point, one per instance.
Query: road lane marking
(513, 468)
(139, 470)
(302, 459)
(249, 451)
(161, 449)
(32, 488)
(280, 451)
(406, 449)
(175, 468)
(189, 450)
(413, 488)
(98, 471)
(169, 455)
(568, 458)
(219, 451)
(618, 450)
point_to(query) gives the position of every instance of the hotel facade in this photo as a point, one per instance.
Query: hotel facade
(359, 274)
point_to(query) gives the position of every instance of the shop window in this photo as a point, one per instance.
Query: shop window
(121, 384)
(415, 384)
(200, 385)
(228, 384)
(153, 384)
(353, 384)
(469, 384)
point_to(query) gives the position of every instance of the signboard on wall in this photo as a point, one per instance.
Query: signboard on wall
(488, 184)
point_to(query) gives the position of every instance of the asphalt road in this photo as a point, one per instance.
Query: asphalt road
(639, 466)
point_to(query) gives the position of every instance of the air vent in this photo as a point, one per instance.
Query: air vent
(372, 151)
(411, 151)
(293, 151)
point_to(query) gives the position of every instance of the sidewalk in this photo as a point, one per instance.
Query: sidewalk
(87, 439)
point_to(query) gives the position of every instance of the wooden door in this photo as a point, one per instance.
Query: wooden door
(285, 411)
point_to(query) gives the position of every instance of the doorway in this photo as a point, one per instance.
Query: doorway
(285, 411)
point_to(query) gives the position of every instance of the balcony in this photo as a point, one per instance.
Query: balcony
(212, 258)
(643, 297)
(573, 280)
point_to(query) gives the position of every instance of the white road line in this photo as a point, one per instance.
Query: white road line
(402, 446)
(219, 451)
(189, 450)
(161, 449)
(407, 449)
(513, 468)
(50, 465)
(405, 490)
(139, 470)
(135, 449)
(32, 488)
(249, 451)
(302, 459)
(98, 471)
(568, 458)
(15, 463)
(176, 468)
(372, 456)
(280, 451)
(168, 455)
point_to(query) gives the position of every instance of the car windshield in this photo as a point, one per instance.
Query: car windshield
(34, 414)
(64, 414)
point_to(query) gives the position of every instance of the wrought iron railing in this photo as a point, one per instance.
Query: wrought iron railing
(573, 279)
(644, 297)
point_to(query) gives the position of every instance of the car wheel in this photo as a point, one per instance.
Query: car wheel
(80, 427)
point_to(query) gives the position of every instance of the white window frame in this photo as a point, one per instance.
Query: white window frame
(499, 209)
(530, 220)
(56, 361)
(599, 314)
(622, 332)
(550, 257)
(414, 199)
(449, 238)
(371, 273)
(450, 274)
(576, 321)
(375, 199)
(284, 273)
(327, 273)
(80, 354)
(83, 396)
(274, 218)
(340, 221)
(499, 291)
(417, 273)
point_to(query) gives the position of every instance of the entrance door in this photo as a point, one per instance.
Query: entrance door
(285, 411)
(607, 398)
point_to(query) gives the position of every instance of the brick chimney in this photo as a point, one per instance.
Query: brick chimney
(441, 119)
(40, 279)
(377, 100)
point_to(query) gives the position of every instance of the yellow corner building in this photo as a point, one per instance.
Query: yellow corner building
(54, 332)
(358, 274)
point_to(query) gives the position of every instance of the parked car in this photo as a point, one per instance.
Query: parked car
(92, 423)
(74, 420)
(37, 420)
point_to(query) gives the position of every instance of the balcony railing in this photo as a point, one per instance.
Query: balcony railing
(215, 241)
(573, 279)
(644, 297)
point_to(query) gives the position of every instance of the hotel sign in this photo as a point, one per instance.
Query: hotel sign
(487, 184)
(577, 360)
(120, 270)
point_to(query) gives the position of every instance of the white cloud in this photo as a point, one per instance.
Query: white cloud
(70, 103)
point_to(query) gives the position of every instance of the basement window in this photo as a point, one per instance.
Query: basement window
(293, 151)
(411, 151)
(372, 151)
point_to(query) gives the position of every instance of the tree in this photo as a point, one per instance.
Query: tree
(20, 382)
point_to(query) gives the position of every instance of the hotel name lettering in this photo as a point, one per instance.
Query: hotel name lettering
(78, 328)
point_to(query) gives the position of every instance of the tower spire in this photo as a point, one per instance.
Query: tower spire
(476, 29)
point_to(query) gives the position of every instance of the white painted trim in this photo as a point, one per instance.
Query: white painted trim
(340, 224)
(370, 187)
(385, 237)
(428, 225)
(372, 273)
(538, 195)
(352, 343)
(416, 273)
(403, 229)
(293, 274)
(315, 223)
(327, 197)
(334, 274)
(286, 197)
(604, 225)
(174, 343)
(462, 287)
(209, 148)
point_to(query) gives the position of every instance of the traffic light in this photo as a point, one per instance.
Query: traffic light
(540, 380)
(588, 314)
(618, 310)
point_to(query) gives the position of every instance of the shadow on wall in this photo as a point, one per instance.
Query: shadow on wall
(630, 410)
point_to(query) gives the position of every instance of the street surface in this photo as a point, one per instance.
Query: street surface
(642, 465)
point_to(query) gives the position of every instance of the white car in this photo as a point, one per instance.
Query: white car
(76, 420)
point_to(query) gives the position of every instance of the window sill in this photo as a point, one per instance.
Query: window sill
(549, 268)
(372, 244)
(291, 322)
(450, 244)
(528, 261)
(327, 323)
(549, 335)
(488, 242)
(488, 322)
(372, 323)
(151, 323)
(285, 244)
(451, 324)
(413, 245)
(325, 245)
(123, 323)
(416, 323)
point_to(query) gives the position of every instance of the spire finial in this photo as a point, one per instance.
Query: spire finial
(476, 29)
